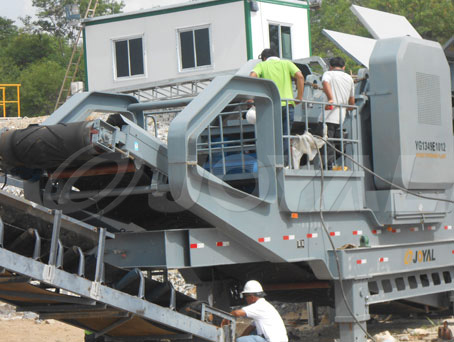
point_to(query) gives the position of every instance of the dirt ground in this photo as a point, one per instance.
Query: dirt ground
(30, 330)
(24, 330)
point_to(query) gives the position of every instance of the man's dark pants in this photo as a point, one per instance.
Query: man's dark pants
(332, 132)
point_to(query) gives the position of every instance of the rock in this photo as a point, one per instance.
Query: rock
(29, 315)
(418, 332)
(180, 285)
(384, 337)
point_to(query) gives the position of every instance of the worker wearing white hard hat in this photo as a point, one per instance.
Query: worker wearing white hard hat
(267, 321)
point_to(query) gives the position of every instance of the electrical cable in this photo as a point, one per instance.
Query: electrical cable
(6, 180)
(327, 231)
(380, 177)
(325, 228)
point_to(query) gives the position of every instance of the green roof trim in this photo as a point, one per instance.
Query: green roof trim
(247, 22)
(284, 3)
(309, 31)
(152, 13)
(195, 5)
(85, 60)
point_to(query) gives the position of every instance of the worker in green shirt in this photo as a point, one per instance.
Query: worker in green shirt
(281, 72)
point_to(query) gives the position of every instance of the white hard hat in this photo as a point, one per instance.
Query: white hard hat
(252, 286)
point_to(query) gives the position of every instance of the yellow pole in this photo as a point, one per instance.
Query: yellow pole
(3, 101)
(18, 101)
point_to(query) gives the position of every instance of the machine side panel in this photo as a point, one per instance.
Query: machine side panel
(411, 123)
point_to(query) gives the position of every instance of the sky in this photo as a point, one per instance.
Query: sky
(13, 9)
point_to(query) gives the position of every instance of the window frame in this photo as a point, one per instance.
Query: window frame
(179, 50)
(114, 58)
(280, 25)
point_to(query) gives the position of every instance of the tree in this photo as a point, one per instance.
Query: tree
(7, 28)
(35, 61)
(40, 86)
(334, 15)
(431, 18)
(25, 49)
(52, 18)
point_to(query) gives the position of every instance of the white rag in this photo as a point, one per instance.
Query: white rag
(306, 144)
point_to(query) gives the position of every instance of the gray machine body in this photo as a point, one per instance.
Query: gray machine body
(411, 122)
(277, 222)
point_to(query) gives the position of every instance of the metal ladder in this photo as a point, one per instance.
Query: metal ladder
(74, 61)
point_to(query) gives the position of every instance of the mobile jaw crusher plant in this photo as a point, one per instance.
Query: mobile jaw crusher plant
(219, 203)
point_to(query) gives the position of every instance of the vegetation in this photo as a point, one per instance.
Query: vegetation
(36, 54)
(431, 18)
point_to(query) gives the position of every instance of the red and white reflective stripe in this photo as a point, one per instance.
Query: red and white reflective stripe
(357, 232)
(334, 233)
(414, 229)
(396, 230)
(312, 236)
(448, 227)
(264, 239)
(361, 261)
(431, 228)
(197, 245)
(288, 237)
(383, 259)
(222, 243)
(376, 231)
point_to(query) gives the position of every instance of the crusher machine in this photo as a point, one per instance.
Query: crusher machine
(109, 205)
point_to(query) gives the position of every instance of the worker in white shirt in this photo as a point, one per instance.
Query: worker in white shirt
(339, 89)
(267, 321)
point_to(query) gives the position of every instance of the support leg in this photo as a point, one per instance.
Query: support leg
(356, 298)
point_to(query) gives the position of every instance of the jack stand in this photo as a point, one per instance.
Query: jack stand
(356, 297)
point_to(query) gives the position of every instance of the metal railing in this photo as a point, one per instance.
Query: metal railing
(228, 144)
(227, 148)
(314, 120)
(4, 102)
(155, 118)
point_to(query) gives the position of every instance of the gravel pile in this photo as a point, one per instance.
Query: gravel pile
(180, 285)
(19, 123)
(8, 312)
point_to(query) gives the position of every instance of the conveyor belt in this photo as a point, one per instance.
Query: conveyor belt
(90, 305)
(81, 312)
(120, 304)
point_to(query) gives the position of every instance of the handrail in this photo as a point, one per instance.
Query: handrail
(3, 102)
(354, 128)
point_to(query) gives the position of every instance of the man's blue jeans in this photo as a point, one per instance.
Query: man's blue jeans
(251, 338)
(291, 115)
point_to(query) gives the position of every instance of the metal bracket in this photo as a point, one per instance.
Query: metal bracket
(230, 337)
(49, 273)
(37, 249)
(95, 290)
(105, 136)
(81, 268)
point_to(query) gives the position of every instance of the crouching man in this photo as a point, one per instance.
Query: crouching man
(445, 332)
(268, 324)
